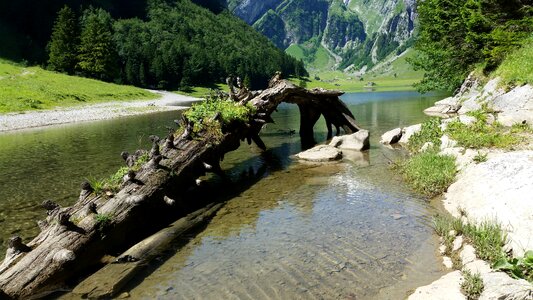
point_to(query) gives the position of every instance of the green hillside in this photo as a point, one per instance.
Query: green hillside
(148, 43)
(32, 88)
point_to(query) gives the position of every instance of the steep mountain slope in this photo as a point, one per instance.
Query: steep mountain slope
(352, 33)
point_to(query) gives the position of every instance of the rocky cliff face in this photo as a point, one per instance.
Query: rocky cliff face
(355, 33)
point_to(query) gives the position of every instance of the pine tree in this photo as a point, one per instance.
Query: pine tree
(97, 53)
(62, 48)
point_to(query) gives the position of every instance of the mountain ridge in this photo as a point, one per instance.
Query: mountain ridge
(356, 34)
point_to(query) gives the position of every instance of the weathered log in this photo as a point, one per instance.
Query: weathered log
(98, 224)
(109, 280)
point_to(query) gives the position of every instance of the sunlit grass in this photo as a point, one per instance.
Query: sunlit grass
(517, 68)
(428, 172)
(32, 88)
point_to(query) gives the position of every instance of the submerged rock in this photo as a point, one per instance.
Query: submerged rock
(321, 153)
(356, 141)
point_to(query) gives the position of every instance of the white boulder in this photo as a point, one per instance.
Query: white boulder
(407, 132)
(391, 137)
(320, 153)
(356, 141)
(448, 287)
(499, 189)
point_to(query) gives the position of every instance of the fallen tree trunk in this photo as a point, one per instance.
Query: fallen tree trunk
(108, 281)
(73, 239)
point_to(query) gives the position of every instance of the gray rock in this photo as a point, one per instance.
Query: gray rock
(447, 142)
(391, 137)
(356, 141)
(499, 189)
(321, 153)
(476, 99)
(457, 243)
(515, 106)
(499, 285)
(467, 120)
(447, 262)
(426, 146)
(407, 132)
(446, 288)
(444, 108)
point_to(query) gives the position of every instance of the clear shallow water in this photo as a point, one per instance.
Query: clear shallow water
(343, 230)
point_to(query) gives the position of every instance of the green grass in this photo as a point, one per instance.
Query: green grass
(487, 237)
(429, 132)
(32, 88)
(517, 68)
(113, 182)
(203, 91)
(295, 51)
(472, 285)
(428, 172)
(321, 59)
(481, 135)
(395, 76)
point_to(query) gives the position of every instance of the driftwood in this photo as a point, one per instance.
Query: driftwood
(74, 239)
(108, 281)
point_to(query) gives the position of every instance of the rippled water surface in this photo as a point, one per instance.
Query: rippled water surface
(347, 230)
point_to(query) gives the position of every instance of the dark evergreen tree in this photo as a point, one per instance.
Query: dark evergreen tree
(97, 56)
(62, 48)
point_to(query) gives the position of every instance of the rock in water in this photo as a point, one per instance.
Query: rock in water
(391, 137)
(320, 153)
(356, 141)
(408, 132)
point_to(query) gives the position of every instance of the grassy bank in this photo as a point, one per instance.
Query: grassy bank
(516, 68)
(32, 88)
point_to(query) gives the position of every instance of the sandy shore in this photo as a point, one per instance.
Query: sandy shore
(102, 111)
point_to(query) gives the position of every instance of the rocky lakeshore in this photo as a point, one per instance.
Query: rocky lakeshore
(167, 101)
(492, 185)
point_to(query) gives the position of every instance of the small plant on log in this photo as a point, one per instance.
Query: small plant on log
(102, 222)
(216, 115)
(112, 184)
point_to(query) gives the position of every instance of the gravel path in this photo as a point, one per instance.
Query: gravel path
(102, 111)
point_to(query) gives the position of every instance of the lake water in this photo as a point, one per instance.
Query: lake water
(348, 230)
